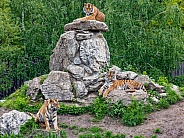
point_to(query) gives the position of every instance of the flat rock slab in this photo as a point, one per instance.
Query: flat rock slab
(91, 25)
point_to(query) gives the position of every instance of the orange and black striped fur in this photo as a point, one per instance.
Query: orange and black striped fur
(126, 84)
(47, 114)
(92, 13)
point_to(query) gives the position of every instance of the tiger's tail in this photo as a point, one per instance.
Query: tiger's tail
(32, 115)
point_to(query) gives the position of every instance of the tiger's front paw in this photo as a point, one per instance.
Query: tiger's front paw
(47, 128)
(57, 129)
(100, 91)
(104, 95)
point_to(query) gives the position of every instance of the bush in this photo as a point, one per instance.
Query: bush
(178, 80)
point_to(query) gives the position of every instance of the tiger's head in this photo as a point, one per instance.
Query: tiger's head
(53, 104)
(110, 76)
(88, 8)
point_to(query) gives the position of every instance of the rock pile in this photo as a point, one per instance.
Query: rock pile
(77, 60)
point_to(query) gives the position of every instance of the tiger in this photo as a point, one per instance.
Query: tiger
(92, 13)
(112, 83)
(47, 114)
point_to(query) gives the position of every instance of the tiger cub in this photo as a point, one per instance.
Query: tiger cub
(112, 83)
(92, 13)
(47, 114)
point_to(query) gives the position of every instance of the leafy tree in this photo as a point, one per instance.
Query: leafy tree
(10, 48)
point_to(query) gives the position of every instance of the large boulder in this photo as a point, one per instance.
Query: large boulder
(126, 97)
(58, 85)
(10, 122)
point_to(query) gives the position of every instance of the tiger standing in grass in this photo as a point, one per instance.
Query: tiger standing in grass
(126, 84)
(47, 114)
(92, 13)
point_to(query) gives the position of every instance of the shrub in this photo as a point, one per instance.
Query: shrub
(99, 108)
(178, 80)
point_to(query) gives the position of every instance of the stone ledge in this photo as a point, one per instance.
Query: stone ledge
(90, 25)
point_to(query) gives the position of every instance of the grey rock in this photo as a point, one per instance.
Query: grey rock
(93, 83)
(155, 87)
(82, 36)
(126, 97)
(76, 71)
(126, 75)
(34, 88)
(87, 25)
(144, 79)
(77, 61)
(2, 101)
(65, 50)
(10, 122)
(28, 82)
(58, 85)
(176, 89)
(80, 89)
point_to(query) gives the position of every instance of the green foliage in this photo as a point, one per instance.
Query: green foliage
(11, 50)
(43, 77)
(158, 131)
(134, 114)
(99, 108)
(163, 103)
(163, 81)
(154, 136)
(107, 134)
(64, 109)
(28, 127)
(138, 136)
(19, 101)
(116, 109)
(178, 80)
(95, 129)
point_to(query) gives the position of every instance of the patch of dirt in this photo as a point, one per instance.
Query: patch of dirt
(169, 121)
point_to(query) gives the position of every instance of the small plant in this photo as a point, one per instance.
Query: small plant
(154, 136)
(134, 114)
(178, 80)
(138, 136)
(99, 108)
(43, 77)
(28, 127)
(95, 129)
(163, 104)
(158, 131)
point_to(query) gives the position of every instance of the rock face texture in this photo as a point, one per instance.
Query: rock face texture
(82, 53)
(57, 85)
(90, 25)
(11, 122)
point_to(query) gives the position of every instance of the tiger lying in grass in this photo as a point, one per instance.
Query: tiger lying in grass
(112, 83)
(47, 114)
